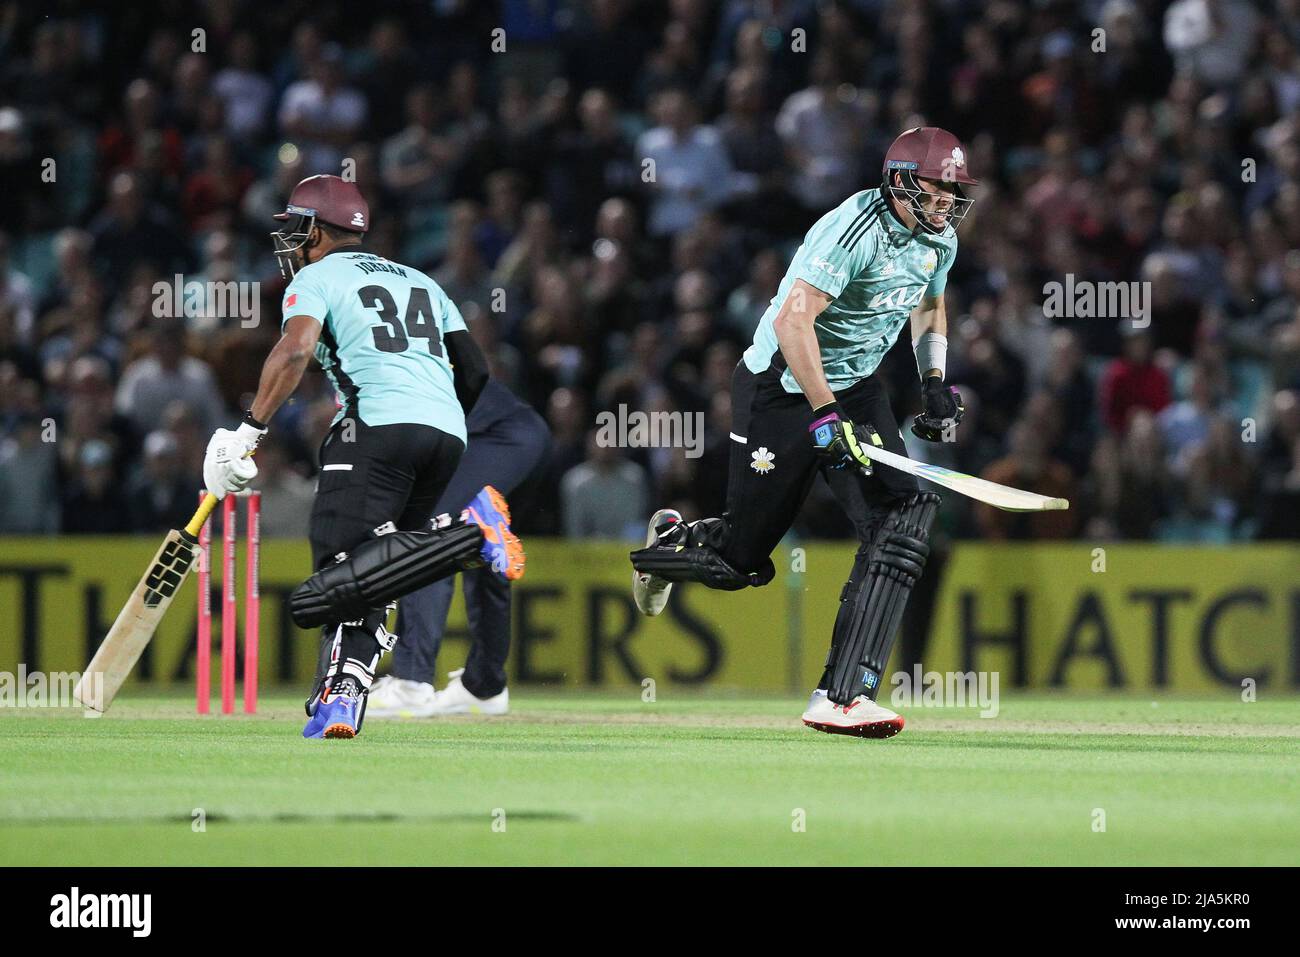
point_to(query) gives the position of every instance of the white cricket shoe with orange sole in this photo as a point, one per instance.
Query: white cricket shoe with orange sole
(861, 717)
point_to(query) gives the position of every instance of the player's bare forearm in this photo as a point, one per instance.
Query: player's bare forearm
(797, 339)
(284, 367)
(930, 316)
(281, 374)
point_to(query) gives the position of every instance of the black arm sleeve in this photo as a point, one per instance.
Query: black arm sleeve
(468, 367)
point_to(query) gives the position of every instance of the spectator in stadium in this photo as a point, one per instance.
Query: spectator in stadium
(746, 303)
(1279, 507)
(590, 164)
(71, 249)
(1132, 381)
(1132, 485)
(245, 92)
(322, 111)
(29, 496)
(166, 375)
(824, 128)
(94, 503)
(416, 163)
(691, 171)
(386, 63)
(121, 143)
(286, 495)
(1220, 483)
(89, 415)
(133, 230)
(1028, 465)
(1185, 425)
(605, 496)
(1211, 39)
(162, 495)
(463, 275)
(211, 197)
(16, 292)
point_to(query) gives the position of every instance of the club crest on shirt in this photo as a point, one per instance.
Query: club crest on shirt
(762, 463)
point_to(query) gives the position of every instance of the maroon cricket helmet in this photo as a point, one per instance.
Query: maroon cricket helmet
(329, 199)
(325, 199)
(929, 153)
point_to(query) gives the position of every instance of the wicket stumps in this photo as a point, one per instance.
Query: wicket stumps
(229, 605)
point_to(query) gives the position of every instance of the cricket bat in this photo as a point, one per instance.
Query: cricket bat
(139, 617)
(991, 493)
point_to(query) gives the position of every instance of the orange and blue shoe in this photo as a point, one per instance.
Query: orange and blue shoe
(501, 547)
(335, 716)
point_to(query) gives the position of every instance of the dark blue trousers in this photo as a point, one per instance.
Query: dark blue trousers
(501, 453)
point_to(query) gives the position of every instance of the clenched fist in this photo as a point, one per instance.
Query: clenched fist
(228, 464)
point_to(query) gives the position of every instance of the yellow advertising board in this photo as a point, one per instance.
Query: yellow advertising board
(1137, 617)
(574, 621)
(1123, 616)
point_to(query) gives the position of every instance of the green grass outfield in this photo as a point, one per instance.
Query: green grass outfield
(586, 779)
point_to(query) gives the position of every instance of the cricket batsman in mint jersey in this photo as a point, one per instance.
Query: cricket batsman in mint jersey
(406, 372)
(805, 398)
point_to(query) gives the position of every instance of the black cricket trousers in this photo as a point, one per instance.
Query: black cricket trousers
(373, 474)
(773, 464)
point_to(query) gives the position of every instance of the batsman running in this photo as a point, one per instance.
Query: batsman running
(406, 373)
(805, 398)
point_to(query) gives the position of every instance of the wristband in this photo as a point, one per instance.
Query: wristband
(250, 434)
(931, 352)
(249, 420)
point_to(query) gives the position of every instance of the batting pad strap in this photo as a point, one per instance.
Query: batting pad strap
(381, 570)
(903, 554)
(931, 352)
(699, 564)
(364, 673)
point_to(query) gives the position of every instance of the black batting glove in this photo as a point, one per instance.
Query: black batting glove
(941, 408)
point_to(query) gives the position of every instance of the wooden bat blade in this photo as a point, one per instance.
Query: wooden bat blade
(991, 493)
(136, 623)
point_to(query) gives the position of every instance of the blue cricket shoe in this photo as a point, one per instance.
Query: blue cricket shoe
(336, 716)
(501, 547)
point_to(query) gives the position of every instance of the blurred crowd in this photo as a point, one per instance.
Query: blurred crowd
(611, 191)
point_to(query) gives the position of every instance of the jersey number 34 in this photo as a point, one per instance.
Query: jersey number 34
(396, 333)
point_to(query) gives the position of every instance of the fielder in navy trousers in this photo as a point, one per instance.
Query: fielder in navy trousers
(507, 441)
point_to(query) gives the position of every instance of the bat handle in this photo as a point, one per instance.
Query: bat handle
(205, 509)
(201, 515)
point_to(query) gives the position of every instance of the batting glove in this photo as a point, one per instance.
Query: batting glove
(941, 408)
(839, 442)
(228, 464)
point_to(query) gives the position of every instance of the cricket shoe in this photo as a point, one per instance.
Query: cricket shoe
(336, 715)
(861, 717)
(400, 698)
(457, 699)
(501, 547)
(650, 592)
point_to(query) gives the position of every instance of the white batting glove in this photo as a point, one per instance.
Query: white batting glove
(228, 465)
